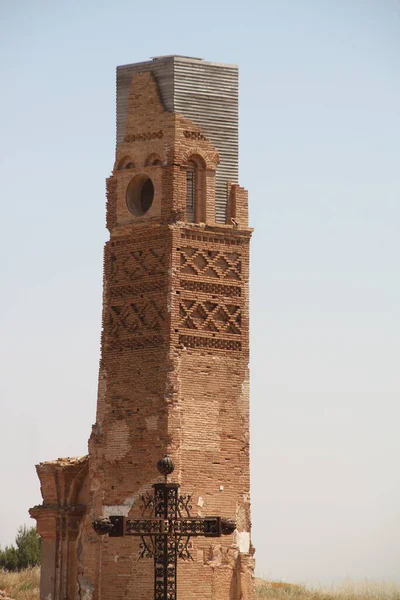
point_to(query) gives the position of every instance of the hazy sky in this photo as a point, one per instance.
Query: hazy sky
(319, 153)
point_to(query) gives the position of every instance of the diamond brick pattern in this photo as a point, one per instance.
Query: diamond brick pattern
(200, 342)
(139, 317)
(211, 263)
(138, 263)
(210, 316)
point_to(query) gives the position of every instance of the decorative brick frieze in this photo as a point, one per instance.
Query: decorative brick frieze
(138, 288)
(141, 342)
(136, 294)
(213, 238)
(143, 137)
(195, 341)
(194, 135)
(204, 287)
(212, 302)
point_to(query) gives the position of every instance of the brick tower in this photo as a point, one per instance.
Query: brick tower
(175, 344)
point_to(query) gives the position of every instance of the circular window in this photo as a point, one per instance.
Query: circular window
(139, 195)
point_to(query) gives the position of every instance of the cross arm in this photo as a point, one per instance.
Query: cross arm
(203, 526)
(118, 526)
(206, 527)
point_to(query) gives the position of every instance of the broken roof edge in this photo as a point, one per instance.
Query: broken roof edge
(178, 57)
(64, 462)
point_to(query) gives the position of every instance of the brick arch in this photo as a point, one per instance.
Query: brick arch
(203, 159)
(123, 162)
(153, 159)
(78, 481)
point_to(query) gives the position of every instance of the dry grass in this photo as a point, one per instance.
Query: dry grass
(21, 585)
(366, 591)
(24, 585)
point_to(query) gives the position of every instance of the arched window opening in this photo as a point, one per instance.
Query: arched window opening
(153, 160)
(125, 163)
(191, 192)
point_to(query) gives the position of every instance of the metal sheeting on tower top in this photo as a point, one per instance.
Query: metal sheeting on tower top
(204, 92)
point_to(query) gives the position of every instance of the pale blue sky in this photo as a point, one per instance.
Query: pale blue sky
(319, 153)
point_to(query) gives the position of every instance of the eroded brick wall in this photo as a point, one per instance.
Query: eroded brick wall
(209, 422)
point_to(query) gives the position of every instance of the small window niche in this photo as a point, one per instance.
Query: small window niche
(195, 190)
(191, 192)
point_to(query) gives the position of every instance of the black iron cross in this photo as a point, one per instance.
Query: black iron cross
(166, 536)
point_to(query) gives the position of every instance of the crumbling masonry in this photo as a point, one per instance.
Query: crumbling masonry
(175, 345)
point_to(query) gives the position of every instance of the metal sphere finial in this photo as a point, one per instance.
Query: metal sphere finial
(102, 525)
(165, 465)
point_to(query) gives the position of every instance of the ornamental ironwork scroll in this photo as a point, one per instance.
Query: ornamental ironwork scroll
(165, 530)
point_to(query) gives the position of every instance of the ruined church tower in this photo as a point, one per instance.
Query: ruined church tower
(175, 345)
